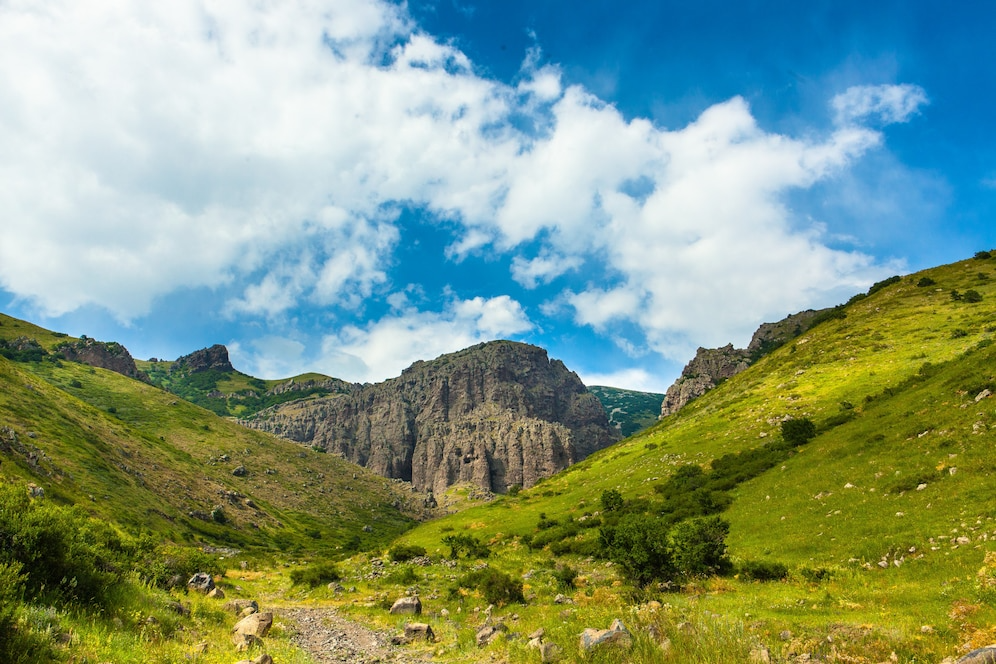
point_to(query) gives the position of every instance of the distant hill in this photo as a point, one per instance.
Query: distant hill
(628, 411)
(141, 457)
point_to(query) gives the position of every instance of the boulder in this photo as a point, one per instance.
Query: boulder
(616, 634)
(244, 642)
(201, 582)
(216, 593)
(416, 631)
(237, 606)
(257, 624)
(489, 633)
(407, 606)
(986, 655)
(549, 652)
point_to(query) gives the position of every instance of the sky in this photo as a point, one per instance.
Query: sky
(348, 186)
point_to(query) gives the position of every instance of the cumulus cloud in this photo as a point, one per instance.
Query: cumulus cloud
(629, 379)
(385, 347)
(891, 103)
(267, 147)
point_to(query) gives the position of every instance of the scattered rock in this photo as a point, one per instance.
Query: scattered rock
(616, 634)
(240, 471)
(489, 633)
(538, 634)
(178, 608)
(237, 606)
(986, 655)
(35, 491)
(257, 624)
(201, 582)
(244, 642)
(760, 655)
(216, 593)
(549, 652)
(407, 606)
(416, 631)
(982, 395)
(262, 659)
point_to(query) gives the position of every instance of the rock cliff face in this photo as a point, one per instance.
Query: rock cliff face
(710, 366)
(108, 355)
(206, 359)
(496, 415)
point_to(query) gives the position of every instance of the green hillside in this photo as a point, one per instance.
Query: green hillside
(629, 411)
(139, 456)
(879, 526)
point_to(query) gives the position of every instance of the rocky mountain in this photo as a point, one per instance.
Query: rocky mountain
(711, 366)
(496, 415)
(628, 411)
(108, 355)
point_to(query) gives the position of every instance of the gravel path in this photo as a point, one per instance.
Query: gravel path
(331, 639)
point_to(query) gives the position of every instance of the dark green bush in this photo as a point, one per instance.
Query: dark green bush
(638, 544)
(698, 547)
(403, 576)
(879, 285)
(467, 545)
(798, 431)
(972, 296)
(315, 575)
(762, 570)
(612, 500)
(65, 555)
(403, 552)
(925, 282)
(565, 577)
(497, 587)
(983, 255)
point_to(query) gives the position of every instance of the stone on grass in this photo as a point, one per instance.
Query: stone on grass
(202, 582)
(216, 593)
(549, 652)
(407, 606)
(237, 606)
(258, 624)
(616, 634)
(489, 633)
(986, 655)
(416, 631)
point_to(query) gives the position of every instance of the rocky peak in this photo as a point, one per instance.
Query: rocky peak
(495, 415)
(215, 357)
(711, 366)
(108, 355)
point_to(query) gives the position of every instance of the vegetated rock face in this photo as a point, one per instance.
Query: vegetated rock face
(215, 357)
(108, 355)
(710, 366)
(497, 414)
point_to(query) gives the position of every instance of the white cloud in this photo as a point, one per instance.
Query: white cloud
(383, 348)
(629, 379)
(891, 103)
(153, 147)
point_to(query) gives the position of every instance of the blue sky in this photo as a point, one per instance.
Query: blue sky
(347, 186)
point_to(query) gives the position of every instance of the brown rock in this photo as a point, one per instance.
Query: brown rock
(237, 606)
(216, 593)
(616, 634)
(407, 606)
(415, 631)
(494, 415)
(257, 624)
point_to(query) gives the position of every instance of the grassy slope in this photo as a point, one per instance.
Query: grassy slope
(156, 458)
(911, 425)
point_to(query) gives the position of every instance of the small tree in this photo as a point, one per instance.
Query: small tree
(612, 500)
(798, 431)
(698, 546)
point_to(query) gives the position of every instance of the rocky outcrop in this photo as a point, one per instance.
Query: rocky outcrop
(711, 366)
(495, 415)
(213, 358)
(108, 355)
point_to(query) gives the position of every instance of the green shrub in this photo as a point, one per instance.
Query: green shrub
(167, 565)
(877, 286)
(404, 552)
(983, 255)
(762, 570)
(612, 500)
(638, 544)
(698, 547)
(64, 554)
(972, 296)
(496, 587)
(403, 576)
(565, 577)
(925, 282)
(466, 544)
(315, 575)
(798, 431)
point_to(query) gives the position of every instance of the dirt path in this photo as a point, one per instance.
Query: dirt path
(331, 639)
